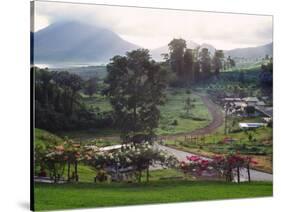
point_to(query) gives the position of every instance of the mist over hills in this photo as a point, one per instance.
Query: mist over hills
(75, 42)
(251, 52)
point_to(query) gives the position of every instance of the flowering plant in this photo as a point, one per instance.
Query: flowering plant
(230, 165)
(195, 165)
(226, 166)
(137, 157)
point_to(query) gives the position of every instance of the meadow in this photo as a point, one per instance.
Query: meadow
(174, 118)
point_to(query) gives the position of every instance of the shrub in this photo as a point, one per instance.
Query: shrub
(225, 166)
(175, 122)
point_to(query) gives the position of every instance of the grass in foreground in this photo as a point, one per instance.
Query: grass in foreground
(85, 195)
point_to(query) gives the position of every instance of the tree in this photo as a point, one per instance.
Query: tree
(55, 162)
(217, 61)
(188, 105)
(266, 74)
(91, 86)
(71, 84)
(230, 62)
(188, 65)
(42, 80)
(196, 64)
(73, 155)
(205, 62)
(135, 88)
(242, 77)
(228, 109)
(177, 51)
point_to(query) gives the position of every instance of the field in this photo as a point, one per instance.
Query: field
(85, 195)
(174, 118)
(43, 137)
(86, 72)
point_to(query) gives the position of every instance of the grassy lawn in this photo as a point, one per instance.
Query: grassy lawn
(85, 195)
(43, 137)
(87, 174)
(97, 101)
(173, 111)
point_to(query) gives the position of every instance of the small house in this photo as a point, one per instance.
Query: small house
(251, 101)
(232, 100)
(240, 105)
(260, 103)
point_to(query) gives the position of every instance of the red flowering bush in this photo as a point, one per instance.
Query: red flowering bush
(195, 165)
(227, 166)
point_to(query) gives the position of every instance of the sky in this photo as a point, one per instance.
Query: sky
(153, 28)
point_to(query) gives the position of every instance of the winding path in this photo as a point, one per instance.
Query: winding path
(217, 121)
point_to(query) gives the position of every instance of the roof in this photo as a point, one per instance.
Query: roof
(232, 99)
(240, 104)
(265, 97)
(265, 110)
(261, 103)
(108, 148)
(250, 99)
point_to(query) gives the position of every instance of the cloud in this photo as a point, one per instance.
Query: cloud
(151, 28)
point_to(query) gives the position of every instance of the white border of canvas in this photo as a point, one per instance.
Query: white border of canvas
(14, 107)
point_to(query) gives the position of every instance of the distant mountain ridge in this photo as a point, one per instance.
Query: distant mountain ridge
(77, 42)
(251, 52)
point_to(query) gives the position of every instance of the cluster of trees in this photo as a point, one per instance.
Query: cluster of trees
(136, 87)
(193, 65)
(58, 103)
